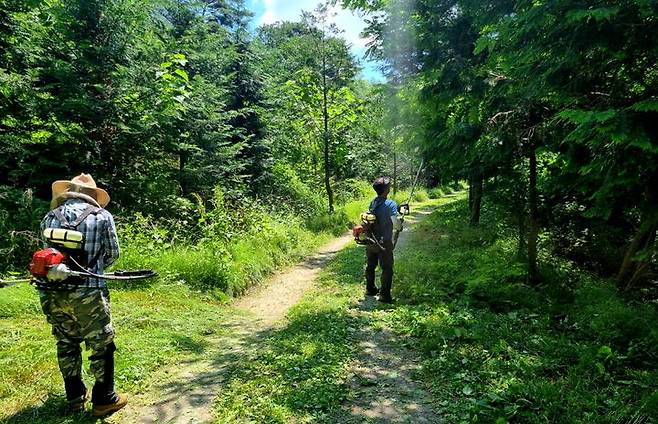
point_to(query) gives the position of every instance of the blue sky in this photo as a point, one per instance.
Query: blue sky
(270, 11)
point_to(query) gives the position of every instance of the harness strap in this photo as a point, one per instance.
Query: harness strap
(90, 209)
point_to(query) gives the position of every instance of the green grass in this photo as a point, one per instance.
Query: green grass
(498, 350)
(494, 349)
(155, 326)
(158, 321)
(298, 375)
(300, 372)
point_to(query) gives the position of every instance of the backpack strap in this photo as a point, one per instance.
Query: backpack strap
(374, 205)
(89, 210)
(61, 218)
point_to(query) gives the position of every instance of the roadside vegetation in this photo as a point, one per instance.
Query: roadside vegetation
(165, 320)
(300, 373)
(498, 349)
(495, 348)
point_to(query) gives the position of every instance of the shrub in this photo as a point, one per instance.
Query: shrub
(435, 193)
(335, 223)
(420, 195)
(20, 215)
(351, 189)
(288, 191)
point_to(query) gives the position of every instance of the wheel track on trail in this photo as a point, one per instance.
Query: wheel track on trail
(185, 392)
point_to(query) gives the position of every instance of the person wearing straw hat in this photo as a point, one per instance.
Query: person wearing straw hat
(79, 307)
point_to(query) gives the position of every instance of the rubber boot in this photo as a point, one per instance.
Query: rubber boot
(76, 393)
(105, 399)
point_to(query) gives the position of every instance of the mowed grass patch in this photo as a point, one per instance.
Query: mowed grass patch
(155, 327)
(499, 350)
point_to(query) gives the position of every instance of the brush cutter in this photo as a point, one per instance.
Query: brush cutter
(53, 266)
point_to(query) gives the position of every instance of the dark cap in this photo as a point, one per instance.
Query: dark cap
(381, 184)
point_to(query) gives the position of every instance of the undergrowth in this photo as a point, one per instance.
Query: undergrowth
(499, 350)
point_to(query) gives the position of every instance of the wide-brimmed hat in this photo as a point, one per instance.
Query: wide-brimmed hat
(83, 183)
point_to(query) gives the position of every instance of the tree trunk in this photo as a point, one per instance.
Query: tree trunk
(395, 172)
(327, 174)
(470, 193)
(326, 135)
(522, 227)
(182, 179)
(533, 231)
(475, 198)
(643, 239)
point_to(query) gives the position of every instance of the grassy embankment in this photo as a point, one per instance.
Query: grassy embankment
(495, 349)
(158, 322)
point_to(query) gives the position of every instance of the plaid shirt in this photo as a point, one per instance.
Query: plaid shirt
(101, 239)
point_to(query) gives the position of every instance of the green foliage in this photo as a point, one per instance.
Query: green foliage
(288, 191)
(420, 195)
(230, 245)
(435, 193)
(352, 189)
(333, 222)
(491, 86)
(20, 215)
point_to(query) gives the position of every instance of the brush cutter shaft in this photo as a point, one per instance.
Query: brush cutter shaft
(413, 187)
(7, 283)
(117, 275)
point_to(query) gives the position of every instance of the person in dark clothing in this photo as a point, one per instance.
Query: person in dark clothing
(388, 221)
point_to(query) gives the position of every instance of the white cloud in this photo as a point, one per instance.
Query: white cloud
(351, 24)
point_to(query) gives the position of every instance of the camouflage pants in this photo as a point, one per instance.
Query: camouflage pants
(80, 315)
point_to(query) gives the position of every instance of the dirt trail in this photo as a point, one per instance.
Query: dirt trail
(383, 383)
(186, 391)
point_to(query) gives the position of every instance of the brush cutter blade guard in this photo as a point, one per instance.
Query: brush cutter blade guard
(53, 266)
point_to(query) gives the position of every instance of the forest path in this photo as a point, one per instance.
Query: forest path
(185, 392)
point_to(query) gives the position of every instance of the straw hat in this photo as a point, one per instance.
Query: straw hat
(83, 183)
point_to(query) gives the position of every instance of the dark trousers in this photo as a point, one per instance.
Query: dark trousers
(384, 258)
